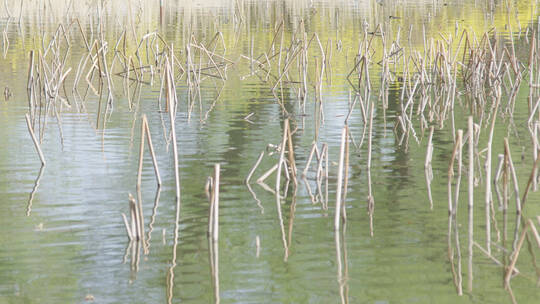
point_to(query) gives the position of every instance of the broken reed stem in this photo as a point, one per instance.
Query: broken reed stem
(281, 155)
(515, 255)
(34, 139)
(308, 163)
(492, 257)
(151, 148)
(267, 173)
(254, 167)
(128, 230)
(286, 171)
(340, 178)
(145, 130)
(215, 204)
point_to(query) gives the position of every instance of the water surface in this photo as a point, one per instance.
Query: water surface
(63, 239)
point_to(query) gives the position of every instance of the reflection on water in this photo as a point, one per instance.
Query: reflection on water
(99, 69)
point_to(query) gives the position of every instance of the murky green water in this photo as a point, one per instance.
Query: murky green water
(62, 237)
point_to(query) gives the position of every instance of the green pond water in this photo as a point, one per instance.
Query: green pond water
(62, 236)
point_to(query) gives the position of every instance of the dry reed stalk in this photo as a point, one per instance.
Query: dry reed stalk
(30, 84)
(210, 195)
(327, 168)
(135, 256)
(530, 182)
(214, 268)
(428, 173)
(259, 204)
(286, 68)
(370, 135)
(429, 153)
(292, 162)
(488, 194)
(371, 200)
(128, 230)
(170, 99)
(337, 217)
(311, 153)
(145, 132)
(286, 171)
(471, 161)
(281, 154)
(456, 153)
(257, 246)
(323, 67)
(34, 139)
(450, 175)
(140, 222)
(152, 153)
(450, 253)
(515, 255)
(458, 251)
(346, 175)
(215, 204)
(510, 165)
(34, 190)
(282, 227)
(491, 257)
(133, 216)
(267, 173)
(324, 152)
(254, 167)
(499, 168)
(506, 173)
(136, 231)
(292, 211)
(534, 232)
(471, 200)
(339, 265)
(351, 106)
(534, 135)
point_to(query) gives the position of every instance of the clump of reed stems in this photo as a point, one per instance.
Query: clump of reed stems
(135, 227)
(286, 166)
(321, 175)
(286, 141)
(298, 60)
